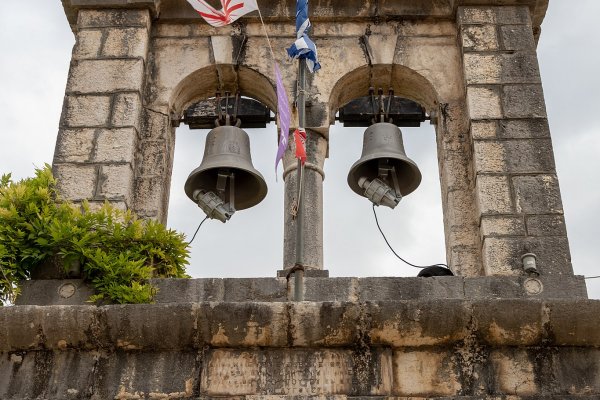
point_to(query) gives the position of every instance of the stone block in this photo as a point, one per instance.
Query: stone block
(292, 372)
(575, 323)
(514, 372)
(222, 49)
(126, 110)
(74, 145)
(509, 322)
(115, 182)
(517, 15)
(156, 125)
(529, 156)
(553, 255)
(149, 193)
(484, 129)
(424, 373)
(537, 194)
(484, 103)
(493, 287)
(332, 289)
(88, 44)
(326, 324)
(381, 48)
(502, 226)
(517, 37)
(75, 181)
(126, 43)
(413, 324)
(255, 289)
(105, 76)
(477, 15)
(520, 68)
(574, 371)
(47, 292)
(139, 326)
(502, 256)
(546, 225)
(115, 145)
(482, 68)
(479, 38)
(86, 111)
(523, 101)
(384, 289)
(173, 290)
(243, 324)
(113, 18)
(493, 195)
(490, 157)
(153, 158)
(524, 128)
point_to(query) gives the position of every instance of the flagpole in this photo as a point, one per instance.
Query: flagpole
(299, 267)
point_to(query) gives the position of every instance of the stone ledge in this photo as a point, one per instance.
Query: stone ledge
(47, 292)
(395, 324)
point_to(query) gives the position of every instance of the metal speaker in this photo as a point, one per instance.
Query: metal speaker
(227, 150)
(383, 150)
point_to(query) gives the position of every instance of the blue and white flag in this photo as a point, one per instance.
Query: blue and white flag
(303, 47)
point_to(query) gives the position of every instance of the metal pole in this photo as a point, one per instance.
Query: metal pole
(299, 273)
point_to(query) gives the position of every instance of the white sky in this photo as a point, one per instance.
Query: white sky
(35, 48)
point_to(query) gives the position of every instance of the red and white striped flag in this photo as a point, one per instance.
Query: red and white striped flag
(231, 10)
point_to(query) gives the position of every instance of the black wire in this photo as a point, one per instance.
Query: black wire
(591, 277)
(197, 229)
(396, 254)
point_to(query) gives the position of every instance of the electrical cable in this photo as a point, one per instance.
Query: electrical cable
(197, 229)
(591, 277)
(396, 254)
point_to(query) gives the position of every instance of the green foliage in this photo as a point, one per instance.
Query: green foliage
(118, 253)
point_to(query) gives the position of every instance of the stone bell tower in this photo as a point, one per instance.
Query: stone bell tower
(496, 330)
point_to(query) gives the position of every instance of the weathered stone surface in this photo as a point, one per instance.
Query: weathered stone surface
(75, 181)
(86, 111)
(524, 128)
(424, 373)
(494, 15)
(115, 145)
(126, 43)
(126, 110)
(484, 129)
(519, 68)
(74, 145)
(112, 18)
(479, 38)
(105, 76)
(483, 68)
(153, 154)
(517, 37)
(515, 371)
(484, 103)
(88, 44)
(502, 226)
(546, 225)
(523, 101)
(509, 322)
(493, 195)
(115, 182)
(537, 194)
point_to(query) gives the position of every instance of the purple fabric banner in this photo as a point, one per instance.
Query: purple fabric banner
(283, 112)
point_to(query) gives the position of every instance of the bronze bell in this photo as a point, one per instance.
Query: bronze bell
(227, 153)
(383, 158)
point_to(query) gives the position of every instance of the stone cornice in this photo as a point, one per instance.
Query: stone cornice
(320, 9)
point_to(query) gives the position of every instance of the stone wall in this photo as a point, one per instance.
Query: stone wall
(436, 349)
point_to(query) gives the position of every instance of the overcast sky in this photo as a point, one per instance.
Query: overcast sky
(35, 48)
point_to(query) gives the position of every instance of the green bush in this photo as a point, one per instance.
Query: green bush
(118, 252)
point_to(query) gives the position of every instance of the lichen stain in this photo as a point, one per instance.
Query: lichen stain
(526, 334)
(220, 338)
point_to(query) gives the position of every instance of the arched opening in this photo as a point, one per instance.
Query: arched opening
(250, 243)
(415, 227)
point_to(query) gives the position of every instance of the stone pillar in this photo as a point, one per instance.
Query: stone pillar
(519, 205)
(98, 134)
(316, 151)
